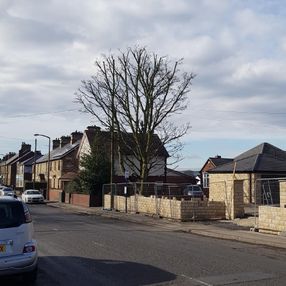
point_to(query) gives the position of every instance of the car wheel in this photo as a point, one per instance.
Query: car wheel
(30, 277)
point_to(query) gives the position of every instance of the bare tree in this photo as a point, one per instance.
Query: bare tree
(135, 95)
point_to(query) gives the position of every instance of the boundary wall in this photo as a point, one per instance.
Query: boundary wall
(183, 210)
(272, 219)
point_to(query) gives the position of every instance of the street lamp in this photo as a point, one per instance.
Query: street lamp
(49, 158)
(1, 169)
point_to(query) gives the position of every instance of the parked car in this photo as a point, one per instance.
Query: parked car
(193, 191)
(32, 196)
(18, 249)
(7, 191)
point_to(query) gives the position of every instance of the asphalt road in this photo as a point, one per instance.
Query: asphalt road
(82, 250)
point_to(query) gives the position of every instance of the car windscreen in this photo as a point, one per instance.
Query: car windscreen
(11, 214)
(33, 193)
(197, 189)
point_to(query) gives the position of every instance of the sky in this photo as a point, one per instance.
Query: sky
(237, 49)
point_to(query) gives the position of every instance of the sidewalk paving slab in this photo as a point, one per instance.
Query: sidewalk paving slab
(237, 230)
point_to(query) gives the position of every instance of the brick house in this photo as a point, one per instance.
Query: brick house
(157, 173)
(63, 164)
(10, 161)
(24, 171)
(4, 168)
(262, 161)
(211, 163)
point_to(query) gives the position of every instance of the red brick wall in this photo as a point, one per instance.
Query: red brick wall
(80, 200)
(54, 195)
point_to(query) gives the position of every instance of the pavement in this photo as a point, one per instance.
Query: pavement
(237, 230)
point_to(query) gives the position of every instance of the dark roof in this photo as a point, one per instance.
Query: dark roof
(191, 173)
(217, 161)
(30, 161)
(59, 152)
(179, 173)
(263, 148)
(12, 159)
(129, 141)
(262, 158)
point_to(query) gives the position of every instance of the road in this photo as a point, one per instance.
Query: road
(89, 250)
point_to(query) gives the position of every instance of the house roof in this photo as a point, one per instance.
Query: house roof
(12, 159)
(31, 160)
(59, 152)
(216, 161)
(263, 148)
(262, 158)
(172, 172)
(129, 141)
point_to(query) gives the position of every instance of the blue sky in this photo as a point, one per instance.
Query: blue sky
(236, 48)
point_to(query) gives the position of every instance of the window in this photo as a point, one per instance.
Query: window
(205, 180)
(11, 214)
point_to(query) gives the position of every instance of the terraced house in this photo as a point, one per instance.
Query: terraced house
(63, 164)
(10, 163)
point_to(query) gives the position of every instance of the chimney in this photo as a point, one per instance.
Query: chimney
(56, 143)
(65, 140)
(24, 149)
(38, 153)
(75, 136)
(93, 128)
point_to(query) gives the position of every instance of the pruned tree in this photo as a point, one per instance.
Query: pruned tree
(135, 93)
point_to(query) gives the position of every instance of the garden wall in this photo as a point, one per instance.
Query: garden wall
(273, 219)
(184, 210)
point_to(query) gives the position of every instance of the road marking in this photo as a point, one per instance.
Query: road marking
(227, 279)
(97, 243)
(196, 280)
(234, 278)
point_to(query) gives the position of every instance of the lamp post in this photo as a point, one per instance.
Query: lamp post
(1, 169)
(34, 171)
(49, 158)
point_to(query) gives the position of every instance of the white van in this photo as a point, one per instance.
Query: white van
(18, 249)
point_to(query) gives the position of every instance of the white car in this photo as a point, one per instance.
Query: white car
(32, 196)
(6, 191)
(18, 249)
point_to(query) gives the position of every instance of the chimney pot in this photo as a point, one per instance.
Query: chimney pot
(56, 143)
(65, 140)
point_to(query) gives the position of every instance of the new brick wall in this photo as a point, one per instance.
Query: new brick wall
(220, 183)
(273, 219)
(184, 210)
(230, 190)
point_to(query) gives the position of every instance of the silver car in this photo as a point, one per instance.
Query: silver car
(18, 249)
(6, 191)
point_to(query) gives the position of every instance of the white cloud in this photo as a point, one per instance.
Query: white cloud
(236, 48)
